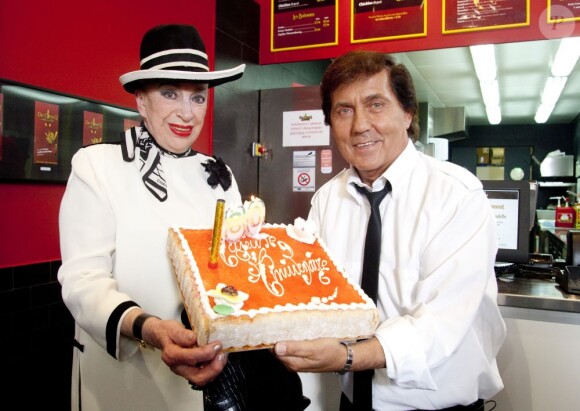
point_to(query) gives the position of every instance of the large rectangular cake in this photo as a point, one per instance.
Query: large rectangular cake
(269, 288)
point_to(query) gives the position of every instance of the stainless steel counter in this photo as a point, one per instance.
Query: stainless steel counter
(541, 294)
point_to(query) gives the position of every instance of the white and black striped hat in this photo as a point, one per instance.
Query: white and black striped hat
(176, 52)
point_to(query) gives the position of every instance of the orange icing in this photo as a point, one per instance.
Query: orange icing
(283, 257)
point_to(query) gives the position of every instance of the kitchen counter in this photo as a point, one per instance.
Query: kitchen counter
(536, 361)
(541, 294)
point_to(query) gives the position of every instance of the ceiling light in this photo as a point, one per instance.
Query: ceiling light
(493, 114)
(543, 113)
(550, 95)
(552, 89)
(566, 56)
(490, 92)
(565, 60)
(484, 61)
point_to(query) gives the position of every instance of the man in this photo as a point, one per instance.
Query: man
(441, 328)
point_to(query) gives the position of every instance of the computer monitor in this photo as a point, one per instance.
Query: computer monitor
(511, 204)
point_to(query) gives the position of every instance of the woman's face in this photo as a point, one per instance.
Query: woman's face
(173, 113)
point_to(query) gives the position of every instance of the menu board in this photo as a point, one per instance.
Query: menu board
(560, 11)
(298, 24)
(472, 15)
(376, 20)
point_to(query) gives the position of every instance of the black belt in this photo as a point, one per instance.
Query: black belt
(346, 405)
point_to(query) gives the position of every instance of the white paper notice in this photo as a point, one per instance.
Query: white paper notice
(305, 128)
(505, 208)
(326, 161)
(304, 171)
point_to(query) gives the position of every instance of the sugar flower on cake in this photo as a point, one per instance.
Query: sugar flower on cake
(302, 231)
(227, 299)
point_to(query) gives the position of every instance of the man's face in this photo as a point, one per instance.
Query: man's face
(369, 125)
(173, 113)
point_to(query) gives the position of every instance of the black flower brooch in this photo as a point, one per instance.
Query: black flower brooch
(218, 173)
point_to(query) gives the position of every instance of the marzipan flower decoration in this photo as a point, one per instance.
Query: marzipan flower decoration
(302, 230)
(218, 173)
(227, 299)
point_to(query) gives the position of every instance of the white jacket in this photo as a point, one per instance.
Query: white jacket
(113, 235)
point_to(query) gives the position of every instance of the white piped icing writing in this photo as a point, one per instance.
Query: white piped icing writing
(254, 253)
(261, 267)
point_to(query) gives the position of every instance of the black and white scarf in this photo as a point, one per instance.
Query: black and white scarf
(151, 170)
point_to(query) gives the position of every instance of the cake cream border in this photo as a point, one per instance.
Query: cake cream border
(207, 321)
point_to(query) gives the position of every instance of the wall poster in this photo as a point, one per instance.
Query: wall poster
(128, 123)
(377, 20)
(299, 24)
(45, 133)
(92, 128)
(40, 130)
(473, 15)
(1, 133)
(561, 11)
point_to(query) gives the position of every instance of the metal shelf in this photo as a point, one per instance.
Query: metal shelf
(549, 184)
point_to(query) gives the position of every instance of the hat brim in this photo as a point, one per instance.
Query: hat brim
(135, 79)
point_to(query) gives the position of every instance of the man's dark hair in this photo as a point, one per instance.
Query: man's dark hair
(356, 65)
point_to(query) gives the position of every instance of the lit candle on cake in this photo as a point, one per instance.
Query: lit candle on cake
(217, 233)
(255, 211)
(235, 223)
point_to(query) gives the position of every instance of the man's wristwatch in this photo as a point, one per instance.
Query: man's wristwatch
(348, 363)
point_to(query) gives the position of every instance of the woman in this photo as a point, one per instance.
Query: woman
(131, 349)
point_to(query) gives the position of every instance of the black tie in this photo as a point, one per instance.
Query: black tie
(363, 394)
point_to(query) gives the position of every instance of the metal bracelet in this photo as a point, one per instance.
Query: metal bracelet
(348, 363)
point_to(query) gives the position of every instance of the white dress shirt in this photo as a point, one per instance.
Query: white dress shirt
(440, 327)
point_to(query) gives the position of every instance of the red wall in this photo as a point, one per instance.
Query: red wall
(79, 49)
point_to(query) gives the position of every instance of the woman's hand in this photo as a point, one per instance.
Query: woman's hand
(179, 350)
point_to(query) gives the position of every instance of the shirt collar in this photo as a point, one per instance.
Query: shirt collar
(395, 174)
(398, 173)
